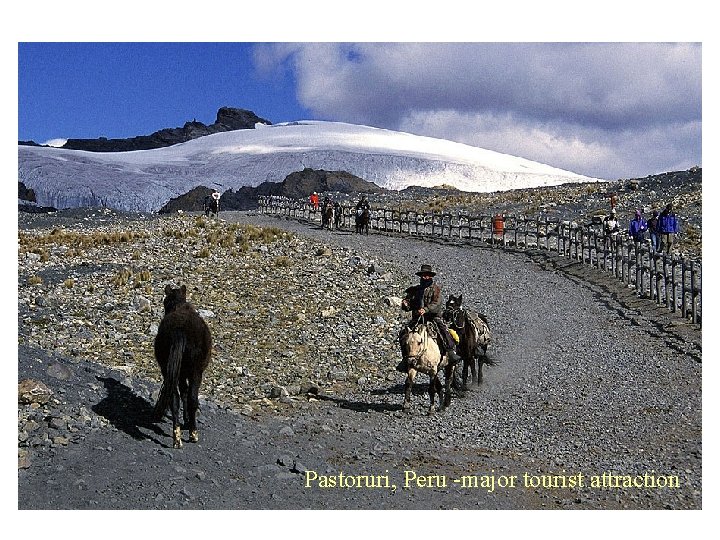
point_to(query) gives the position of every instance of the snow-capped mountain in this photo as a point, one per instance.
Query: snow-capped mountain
(145, 180)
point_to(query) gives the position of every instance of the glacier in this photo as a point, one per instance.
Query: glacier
(144, 180)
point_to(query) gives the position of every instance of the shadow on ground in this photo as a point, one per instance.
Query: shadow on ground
(128, 412)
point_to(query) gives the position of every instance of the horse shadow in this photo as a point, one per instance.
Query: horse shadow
(418, 389)
(360, 406)
(128, 412)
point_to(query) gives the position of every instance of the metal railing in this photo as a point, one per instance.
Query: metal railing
(672, 280)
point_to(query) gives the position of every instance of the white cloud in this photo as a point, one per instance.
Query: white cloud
(572, 105)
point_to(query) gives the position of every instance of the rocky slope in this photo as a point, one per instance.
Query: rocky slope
(297, 185)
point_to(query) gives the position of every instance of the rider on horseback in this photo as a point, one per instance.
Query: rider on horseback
(424, 300)
(363, 204)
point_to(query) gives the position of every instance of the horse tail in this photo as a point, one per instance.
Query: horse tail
(172, 372)
(485, 359)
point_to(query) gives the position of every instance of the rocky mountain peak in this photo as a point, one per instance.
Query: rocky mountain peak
(238, 118)
(228, 119)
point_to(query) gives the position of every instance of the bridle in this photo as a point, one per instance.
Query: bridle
(420, 322)
(457, 314)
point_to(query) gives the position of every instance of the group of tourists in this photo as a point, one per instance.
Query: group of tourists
(327, 202)
(660, 229)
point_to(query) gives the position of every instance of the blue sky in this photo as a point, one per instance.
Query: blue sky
(604, 109)
(116, 90)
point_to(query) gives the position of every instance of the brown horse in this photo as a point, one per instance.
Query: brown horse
(328, 217)
(422, 354)
(182, 349)
(362, 221)
(474, 334)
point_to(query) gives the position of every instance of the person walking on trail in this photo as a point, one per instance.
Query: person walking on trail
(611, 228)
(611, 225)
(425, 300)
(315, 200)
(654, 231)
(668, 227)
(613, 200)
(637, 228)
(216, 198)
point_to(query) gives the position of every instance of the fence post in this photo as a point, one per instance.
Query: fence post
(693, 292)
(683, 303)
(673, 265)
(637, 267)
(666, 279)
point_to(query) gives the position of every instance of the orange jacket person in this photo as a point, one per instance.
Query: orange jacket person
(315, 200)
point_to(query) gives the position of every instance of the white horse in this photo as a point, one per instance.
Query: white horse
(422, 354)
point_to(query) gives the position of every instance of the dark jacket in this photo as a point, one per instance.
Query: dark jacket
(431, 300)
(653, 224)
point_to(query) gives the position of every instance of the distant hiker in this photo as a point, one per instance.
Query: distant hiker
(613, 200)
(611, 226)
(668, 227)
(637, 228)
(211, 204)
(315, 200)
(654, 232)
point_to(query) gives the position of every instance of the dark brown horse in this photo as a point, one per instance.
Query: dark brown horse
(327, 217)
(362, 221)
(474, 334)
(182, 349)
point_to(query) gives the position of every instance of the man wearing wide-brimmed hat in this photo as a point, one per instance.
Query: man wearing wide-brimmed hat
(425, 300)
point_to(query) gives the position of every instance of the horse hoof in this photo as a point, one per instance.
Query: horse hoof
(194, 436)
(177, 441)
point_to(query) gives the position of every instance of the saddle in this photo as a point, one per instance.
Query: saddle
(480, 327)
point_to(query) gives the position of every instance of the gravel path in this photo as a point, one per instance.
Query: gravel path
(586, 384)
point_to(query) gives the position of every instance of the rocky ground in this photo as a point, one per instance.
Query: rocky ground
(302, 383)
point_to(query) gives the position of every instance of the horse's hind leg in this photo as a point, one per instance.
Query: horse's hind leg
(476, 371)
(465, 369)
(175, 408)
(449, 376)
(192, 407)
(482, 359)
(432, 389)
(183, 384)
